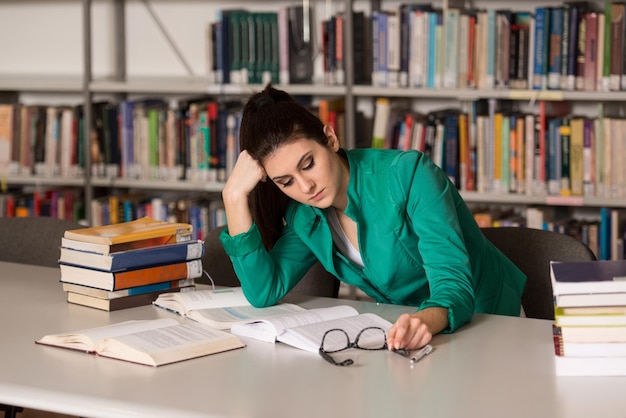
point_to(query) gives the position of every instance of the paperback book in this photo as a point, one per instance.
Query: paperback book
(149, 342)
(220, 308)
(270, 329)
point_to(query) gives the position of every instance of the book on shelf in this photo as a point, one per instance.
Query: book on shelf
(137, 230)
(123, 302)
(108, 280)
(136, 258)
(153, 342)
(131, 291)
(220, 308)
(588, 277)
(270, 329)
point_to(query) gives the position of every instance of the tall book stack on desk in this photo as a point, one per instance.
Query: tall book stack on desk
(589, 330)
(129, 264)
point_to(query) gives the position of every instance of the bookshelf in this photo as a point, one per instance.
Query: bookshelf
(112, 64)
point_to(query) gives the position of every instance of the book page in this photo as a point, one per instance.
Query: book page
(269, 329)
(169, 344)
(224, 318)
(184, 302)
(86, 340)
(309, 337)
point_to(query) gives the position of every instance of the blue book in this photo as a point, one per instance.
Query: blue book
(556, 33)
(582, 277)
(134, 259)
(540, 54)
(434, 18)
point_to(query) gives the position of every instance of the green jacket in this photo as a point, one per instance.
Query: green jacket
(418, 240)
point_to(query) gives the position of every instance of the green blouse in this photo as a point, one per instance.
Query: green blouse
(418, 240)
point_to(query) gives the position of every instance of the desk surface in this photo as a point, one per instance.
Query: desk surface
(496, 366)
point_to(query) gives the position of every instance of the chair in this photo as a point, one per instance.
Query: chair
(532, 250)
(33, 240)
(317, 281)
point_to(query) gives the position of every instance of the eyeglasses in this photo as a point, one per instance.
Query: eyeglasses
(370, 338)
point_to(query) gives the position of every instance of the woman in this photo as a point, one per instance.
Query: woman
(386, 221)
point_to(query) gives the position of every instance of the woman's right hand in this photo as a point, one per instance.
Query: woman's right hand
(245, 176)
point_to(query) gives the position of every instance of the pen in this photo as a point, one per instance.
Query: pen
(422, 353)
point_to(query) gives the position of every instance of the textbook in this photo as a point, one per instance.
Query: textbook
(153, 342)
(582, 320)
(113, 294)
(107, 280)
(136, 258)
(582, 277)
(114, 304)
(220, 308)
(308, 337)
(139, 229)
(270, 329)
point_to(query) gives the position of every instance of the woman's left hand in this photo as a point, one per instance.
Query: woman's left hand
(413, 331)
(409, 332)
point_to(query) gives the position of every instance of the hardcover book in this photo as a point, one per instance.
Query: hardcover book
(136, 258)
(149, 342)
(130, 278)
(137, 230)
(583, 277)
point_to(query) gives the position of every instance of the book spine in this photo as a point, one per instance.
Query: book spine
(590, 76)
(187, 270)
(556, 33)
(617, 42)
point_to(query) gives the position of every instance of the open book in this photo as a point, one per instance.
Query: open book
(151, 342)
(304, 330)
(220, 308)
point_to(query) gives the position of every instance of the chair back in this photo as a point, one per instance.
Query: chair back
(34, 240)
(531, 250)
(316, 282)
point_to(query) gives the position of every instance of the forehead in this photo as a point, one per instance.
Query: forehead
(287, 156)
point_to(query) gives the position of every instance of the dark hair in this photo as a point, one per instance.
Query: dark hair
(271, 119)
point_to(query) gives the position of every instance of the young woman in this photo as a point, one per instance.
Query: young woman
(386, 221)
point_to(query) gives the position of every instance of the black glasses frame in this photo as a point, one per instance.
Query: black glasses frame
(326, 354)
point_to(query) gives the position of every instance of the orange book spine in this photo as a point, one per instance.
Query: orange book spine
(151, 275)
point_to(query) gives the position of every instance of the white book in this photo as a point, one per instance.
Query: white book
(220, 308)
(309, 337)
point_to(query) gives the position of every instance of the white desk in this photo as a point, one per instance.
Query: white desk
(495, 367)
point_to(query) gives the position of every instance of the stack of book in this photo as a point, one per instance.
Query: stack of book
(129, 264)
(589, 330)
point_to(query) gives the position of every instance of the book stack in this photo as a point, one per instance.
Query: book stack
(589, 330)
(129, 264)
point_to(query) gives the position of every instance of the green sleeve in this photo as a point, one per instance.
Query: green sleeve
(266, 277)
(431, 204)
